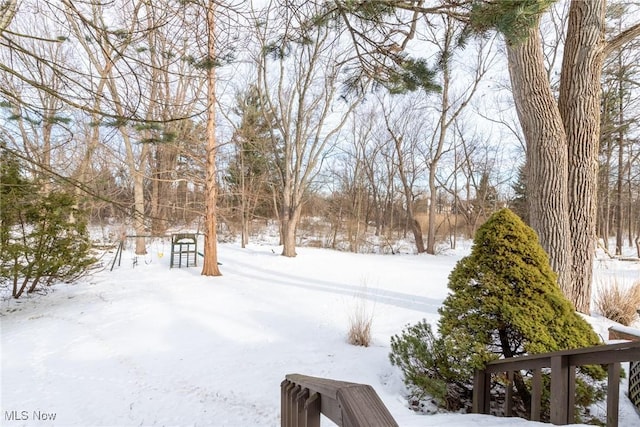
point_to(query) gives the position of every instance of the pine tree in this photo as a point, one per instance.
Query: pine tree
(506, 289)
(40, 243)
(504, 302)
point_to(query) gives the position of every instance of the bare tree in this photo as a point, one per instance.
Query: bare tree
(298, 72)
(404, 126)
(451, 104)
(562, 182)
(210, 265)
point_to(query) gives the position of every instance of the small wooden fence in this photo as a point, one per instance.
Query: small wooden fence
(562, 387)
(304, 398)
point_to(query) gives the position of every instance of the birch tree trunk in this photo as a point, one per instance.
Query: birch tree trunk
(210, 264)
(547, 157)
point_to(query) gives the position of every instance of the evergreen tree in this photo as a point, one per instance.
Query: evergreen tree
(251, 172)
(504, 302)
(14, 189)
(519, 204)
(44, 238)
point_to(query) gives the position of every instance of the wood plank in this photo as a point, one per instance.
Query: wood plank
(536, 395)
(571, 394)
(478, 392)
(292, 415)
(621, 352)
(508, 395)
(362, 407)
(312, 410)
(300, 399)
(613, 394)
(330, 408)
(283, 403)
(559, 390)
(324, 386)
(616, 355)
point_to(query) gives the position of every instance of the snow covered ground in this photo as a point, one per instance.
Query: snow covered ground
(153, 346)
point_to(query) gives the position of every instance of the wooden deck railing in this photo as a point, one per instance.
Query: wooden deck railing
(562, 364)
(304, 398)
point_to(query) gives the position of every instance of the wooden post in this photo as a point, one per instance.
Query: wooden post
(300, 399)
(571, 395)
(293, 414)
(536, 395)
(312, 410)
(559, 390)
(478, 392)
(613, 394)
(508, 395)
(283, 403)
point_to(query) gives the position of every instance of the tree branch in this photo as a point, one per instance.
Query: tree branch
(622, 38)
(8, 10)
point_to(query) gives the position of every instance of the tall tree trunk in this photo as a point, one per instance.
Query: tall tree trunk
(210, 264)
(619, 187)
(288, 220)
(546, 152)
(408, 194)
(604, 204)
(579, 105)
(433, 201)
(289, 228)
(621, 162)
(138, 214)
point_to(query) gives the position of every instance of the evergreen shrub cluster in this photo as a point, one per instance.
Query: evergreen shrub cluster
(43, 237)
(504, 302)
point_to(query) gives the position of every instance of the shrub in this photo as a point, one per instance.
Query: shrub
(504, 302)
(45, 246)
(423, 358)
(41, 244)
(618, 303)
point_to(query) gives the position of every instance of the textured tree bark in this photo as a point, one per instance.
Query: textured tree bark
(408, 195)
(138, 219)
(289, 227)
(579, 105)
(210, 264)
(546, 152)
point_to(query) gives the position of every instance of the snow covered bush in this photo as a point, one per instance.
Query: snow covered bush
(504, 302)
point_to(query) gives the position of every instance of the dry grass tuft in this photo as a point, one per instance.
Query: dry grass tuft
(618, 303)
(360, 320)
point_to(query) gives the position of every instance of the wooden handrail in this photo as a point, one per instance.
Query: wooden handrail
(304, 398)
(562, 387)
